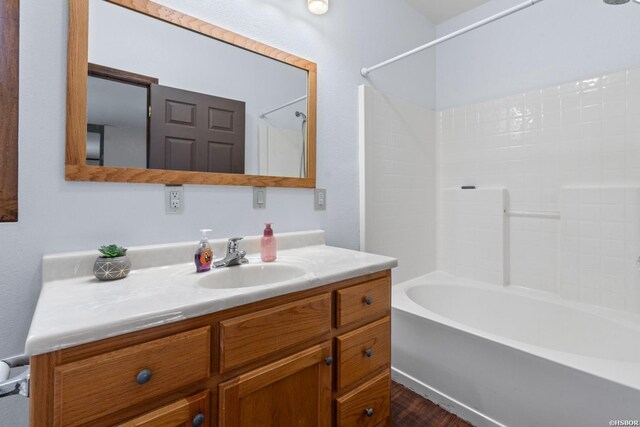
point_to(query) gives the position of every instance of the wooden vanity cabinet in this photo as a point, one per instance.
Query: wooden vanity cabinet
(319, 357)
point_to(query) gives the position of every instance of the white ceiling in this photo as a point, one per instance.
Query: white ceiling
(438, 11)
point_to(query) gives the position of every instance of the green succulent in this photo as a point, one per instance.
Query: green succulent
(112, 251)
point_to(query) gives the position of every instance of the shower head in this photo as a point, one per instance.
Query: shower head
(615, 2)
(298, 114)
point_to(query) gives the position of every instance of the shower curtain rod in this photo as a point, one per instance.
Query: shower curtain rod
(263, 115)
(365, 71)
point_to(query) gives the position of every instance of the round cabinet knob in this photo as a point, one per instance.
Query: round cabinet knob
(198, 420)
(368, 300)
(144, 376)
(368, 352)
(368, 412)
(328, 360)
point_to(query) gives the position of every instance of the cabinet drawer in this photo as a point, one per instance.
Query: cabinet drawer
(251, 337)
(363, 351)
(100, 385)
(367, 405)
(187, 412)
(368, 300)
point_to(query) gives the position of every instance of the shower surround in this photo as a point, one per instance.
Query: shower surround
(573, 149)
(538, 307)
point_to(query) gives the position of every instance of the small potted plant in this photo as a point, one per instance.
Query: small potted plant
(112, 264)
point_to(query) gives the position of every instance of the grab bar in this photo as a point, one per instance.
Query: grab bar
(533, 214)
(19, 384)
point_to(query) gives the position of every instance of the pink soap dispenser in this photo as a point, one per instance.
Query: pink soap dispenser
(268, 244)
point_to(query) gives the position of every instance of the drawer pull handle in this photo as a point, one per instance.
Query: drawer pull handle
(198, 420)
(328, 360)
(368, 412)
(143, 376)
(368, 352)
(368, 300)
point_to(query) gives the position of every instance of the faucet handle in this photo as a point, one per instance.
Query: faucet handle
(232, 244)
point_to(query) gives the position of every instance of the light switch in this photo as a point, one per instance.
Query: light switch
(259, 197)
(320, 199)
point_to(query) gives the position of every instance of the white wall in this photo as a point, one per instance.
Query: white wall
(57, 216)
(398, 182)
(552, 42)
(125, 147)
(412, 79)
(117, 104)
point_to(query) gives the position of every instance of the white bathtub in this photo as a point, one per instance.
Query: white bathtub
(515, 357)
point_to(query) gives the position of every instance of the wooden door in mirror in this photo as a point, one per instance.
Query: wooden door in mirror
(9, 47)
(161, 170)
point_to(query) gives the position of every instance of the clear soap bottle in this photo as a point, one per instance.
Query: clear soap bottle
(204, 254)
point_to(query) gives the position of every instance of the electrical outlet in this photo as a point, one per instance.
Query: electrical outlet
(174, 199)
(320, 199)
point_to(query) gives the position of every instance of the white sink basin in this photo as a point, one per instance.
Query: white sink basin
(249, 275)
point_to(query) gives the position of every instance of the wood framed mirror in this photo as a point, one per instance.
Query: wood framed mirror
(157, 96)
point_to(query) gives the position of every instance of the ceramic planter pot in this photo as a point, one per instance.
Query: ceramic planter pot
(112, 268)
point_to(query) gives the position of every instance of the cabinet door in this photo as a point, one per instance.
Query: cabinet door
(192, 411)
(294, 391)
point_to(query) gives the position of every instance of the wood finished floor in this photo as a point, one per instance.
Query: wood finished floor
(409, 409)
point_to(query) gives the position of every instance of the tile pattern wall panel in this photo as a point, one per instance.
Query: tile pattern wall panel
(600, 245)
(581, 133)
(398, 215)
(471, 239)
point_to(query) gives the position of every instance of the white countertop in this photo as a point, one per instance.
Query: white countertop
(75, 308)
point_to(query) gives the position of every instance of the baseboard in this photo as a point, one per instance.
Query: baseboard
(463, 411)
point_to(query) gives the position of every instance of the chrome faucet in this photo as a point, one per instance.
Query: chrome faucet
(234, 256)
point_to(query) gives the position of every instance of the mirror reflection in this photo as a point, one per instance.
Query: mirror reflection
(163, 97)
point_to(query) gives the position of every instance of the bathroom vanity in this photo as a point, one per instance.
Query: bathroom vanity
(311, 349)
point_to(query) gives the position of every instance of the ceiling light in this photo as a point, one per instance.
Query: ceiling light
(318, 7)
